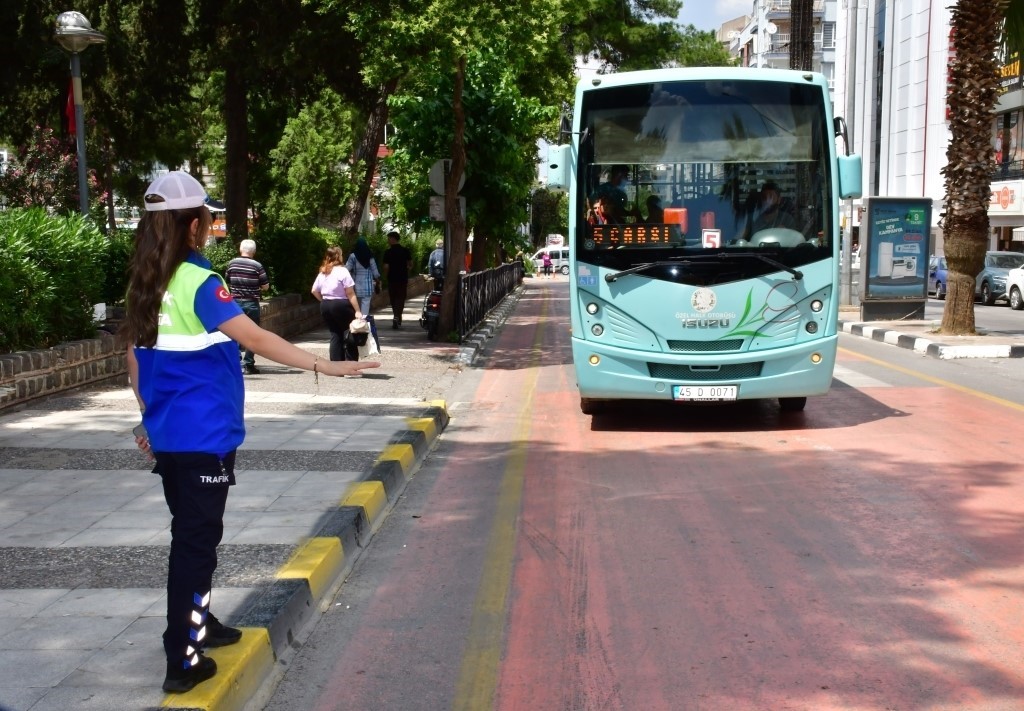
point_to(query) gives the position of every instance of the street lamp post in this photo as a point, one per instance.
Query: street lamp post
(74, 34)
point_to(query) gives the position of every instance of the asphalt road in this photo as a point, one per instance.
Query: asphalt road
(863, 554)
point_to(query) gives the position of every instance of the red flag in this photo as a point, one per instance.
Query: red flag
(69, 109)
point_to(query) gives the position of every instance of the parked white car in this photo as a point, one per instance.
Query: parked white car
(559, 259)
(1015, 288)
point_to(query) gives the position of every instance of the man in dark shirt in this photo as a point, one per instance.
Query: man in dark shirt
(247, 280)
(397, 265)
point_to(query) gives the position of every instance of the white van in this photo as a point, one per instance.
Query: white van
(559, 259)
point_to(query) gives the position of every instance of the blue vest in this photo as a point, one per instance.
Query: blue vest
(191, 380)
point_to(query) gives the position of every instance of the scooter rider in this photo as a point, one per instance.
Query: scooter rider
(435, 264)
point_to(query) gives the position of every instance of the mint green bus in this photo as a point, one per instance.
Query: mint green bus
(704, 234)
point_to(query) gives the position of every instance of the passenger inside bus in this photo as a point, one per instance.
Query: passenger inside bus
(655, 212)
(614, 196)
(598, 215)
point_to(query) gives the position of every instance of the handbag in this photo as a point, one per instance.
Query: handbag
(358, 331)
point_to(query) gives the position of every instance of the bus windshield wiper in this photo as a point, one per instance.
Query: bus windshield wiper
(637, 269)
(797, 274)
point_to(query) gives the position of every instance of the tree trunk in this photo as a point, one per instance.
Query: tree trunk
(455, 250)
(801, 39)
(365, 160)
(236, 149)
(972, 95)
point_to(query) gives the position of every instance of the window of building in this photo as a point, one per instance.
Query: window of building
(829, 35)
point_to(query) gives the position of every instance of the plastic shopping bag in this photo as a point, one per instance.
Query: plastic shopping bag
(368, 349)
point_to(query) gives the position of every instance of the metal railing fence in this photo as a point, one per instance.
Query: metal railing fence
(479, 292)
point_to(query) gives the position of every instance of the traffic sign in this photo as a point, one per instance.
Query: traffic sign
(439, 173)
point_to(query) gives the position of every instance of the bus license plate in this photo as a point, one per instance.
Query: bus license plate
(704, 392)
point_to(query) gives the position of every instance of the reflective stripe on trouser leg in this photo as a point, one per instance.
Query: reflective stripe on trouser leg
(197, 632)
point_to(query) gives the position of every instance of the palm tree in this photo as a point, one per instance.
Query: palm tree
(801, 28)
(980, 29)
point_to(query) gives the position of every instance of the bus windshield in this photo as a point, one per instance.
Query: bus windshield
(703, 174)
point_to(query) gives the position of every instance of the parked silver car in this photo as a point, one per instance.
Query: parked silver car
(990, 284)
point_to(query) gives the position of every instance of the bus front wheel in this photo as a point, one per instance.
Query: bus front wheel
(792, 404)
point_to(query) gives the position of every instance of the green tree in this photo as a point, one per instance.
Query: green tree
(310, 165)
(699, 48)
(44, 173)
(549, 215)
(132, 84)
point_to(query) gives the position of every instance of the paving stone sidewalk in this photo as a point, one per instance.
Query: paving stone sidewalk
(84, 530)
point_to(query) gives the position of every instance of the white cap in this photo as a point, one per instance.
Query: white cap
(178, 190)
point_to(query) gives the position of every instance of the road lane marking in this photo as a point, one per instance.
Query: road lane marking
(937, 381)
(858, 380)
(478, 677)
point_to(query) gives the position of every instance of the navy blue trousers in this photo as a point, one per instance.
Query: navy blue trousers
(252, 310)
(196, 491)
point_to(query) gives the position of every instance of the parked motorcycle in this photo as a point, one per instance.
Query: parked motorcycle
(431, 316)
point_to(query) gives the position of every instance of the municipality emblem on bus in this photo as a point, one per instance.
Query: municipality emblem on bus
(703, 300)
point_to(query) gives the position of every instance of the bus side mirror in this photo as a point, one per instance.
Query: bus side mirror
(559, 165)
(850, 177)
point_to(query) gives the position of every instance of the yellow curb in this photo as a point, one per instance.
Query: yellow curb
(404, 454)
(369, 495)
(241, 669)
(439, 404)
(317, 561)
(426, 425)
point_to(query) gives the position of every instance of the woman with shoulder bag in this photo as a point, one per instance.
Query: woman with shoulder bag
(364, 271)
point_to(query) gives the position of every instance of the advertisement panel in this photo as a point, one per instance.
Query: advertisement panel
(895, 261)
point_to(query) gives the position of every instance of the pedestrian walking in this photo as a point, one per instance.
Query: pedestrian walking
(247, 280)
(397, 267)
(182, 329)
(335, 290)
(363, 268)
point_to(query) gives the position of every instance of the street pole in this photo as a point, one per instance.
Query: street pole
(74, 33)
(83, 184)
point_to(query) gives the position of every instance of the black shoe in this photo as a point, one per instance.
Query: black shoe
(220, 635)
(251, 370)
(395, 324)
(179, 680)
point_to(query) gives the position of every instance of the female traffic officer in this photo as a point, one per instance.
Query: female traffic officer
(182, 328)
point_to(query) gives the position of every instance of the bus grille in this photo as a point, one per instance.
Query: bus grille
(732, 344)
(737, 371)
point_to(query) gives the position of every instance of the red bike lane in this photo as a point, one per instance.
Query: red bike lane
(863, 554)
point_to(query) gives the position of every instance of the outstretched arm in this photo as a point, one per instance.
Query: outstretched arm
(271, 346)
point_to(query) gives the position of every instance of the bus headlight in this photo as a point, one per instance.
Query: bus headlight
(817, 306)
(594, 359)
(812, 327)
(597, 329)
(815, 358)
(592, 308)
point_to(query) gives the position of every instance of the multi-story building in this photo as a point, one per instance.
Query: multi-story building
(888, 65)
(764, 41)
(893, 84)
(1006, 210)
